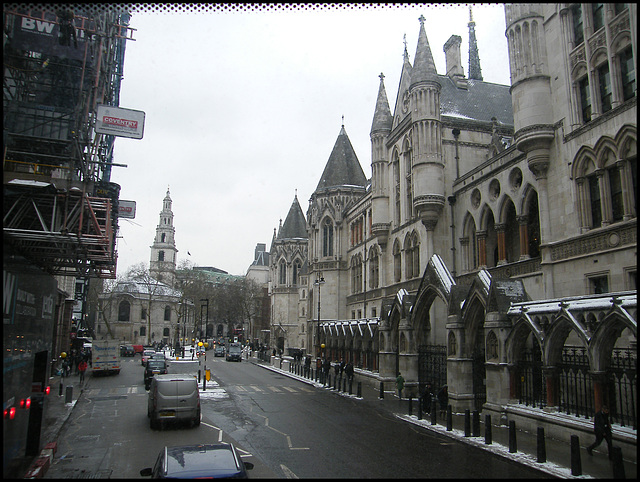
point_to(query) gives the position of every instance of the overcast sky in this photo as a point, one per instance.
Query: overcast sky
(243, 108)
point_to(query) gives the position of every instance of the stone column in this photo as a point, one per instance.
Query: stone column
(523, 222)
(502, 251)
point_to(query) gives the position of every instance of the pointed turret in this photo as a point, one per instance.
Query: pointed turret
(403, 99)
(382, 118)
(475, 72)
(343, 167)
(295, 224)
(424, 68)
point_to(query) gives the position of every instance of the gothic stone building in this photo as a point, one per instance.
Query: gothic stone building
(494, 249)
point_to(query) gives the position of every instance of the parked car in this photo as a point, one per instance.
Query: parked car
(173, 398)
(146, 355)
(155, 366)
(127, 350)
(218, 350)
(219, 460)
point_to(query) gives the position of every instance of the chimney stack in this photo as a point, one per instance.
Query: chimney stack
(455, 70)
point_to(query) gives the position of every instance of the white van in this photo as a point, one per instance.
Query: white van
(173, 397)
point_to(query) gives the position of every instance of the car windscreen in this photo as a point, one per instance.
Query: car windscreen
(155, 364)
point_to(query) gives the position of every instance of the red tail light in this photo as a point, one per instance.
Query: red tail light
(25, 403)
(47, 390)
(10, 413)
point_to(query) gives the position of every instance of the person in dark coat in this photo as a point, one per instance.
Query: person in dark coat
(443, 399)
(602, 429)
(348, 369)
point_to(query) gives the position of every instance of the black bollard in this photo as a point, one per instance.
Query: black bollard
(434, 411)
(359, 389)
(410, 405)
(344, 385)
(616, 462)
(467, 423)
(350, 386)
(419, 408)
(381, 390)
(576, 462)
(487, 430)
(542, 450)
(476, 423)
(513, 445)
(60, 393)
(68, 398)
(198, 376)
(449, 419)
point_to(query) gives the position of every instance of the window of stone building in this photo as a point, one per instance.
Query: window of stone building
(374, 268)
(160, 255)
(162, 238)
(282, 277)
(165, 332)
(143, 331)
(327, 238)
(619, 7)
(397, 262)
(585, 99)
(594, 196)
(615, 188)
(627, 74)
(143, 314)
(359, 314)
(578, 32)
(598, 284)
(597, 12)
(123, 311)
(296, 272)
(604, 83)
(167, 313)
(374, 312)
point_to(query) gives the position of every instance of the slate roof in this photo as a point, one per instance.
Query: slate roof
(295, 225)
(480, 101)
(343, 167)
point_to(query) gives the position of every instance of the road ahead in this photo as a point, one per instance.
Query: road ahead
(285, 427)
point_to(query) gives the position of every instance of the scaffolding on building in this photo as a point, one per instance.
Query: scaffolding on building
(60, 209)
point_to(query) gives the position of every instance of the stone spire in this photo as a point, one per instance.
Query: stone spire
(295, 224)
(474, 58)
(424, 68)
(382, 118)
(343, 167)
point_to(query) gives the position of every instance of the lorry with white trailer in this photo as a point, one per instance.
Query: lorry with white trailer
(105, 357)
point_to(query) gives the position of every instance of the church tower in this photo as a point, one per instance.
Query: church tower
(162, 265)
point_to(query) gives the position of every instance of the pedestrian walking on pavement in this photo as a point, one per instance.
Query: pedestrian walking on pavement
(400, 384)
(348, 369)
(427, 396)
(82, 367)
(443, 398)
(602, 429)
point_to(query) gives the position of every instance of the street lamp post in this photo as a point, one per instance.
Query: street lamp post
(206, 300)
(318, 282)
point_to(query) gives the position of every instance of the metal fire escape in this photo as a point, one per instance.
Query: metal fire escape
(60, 210)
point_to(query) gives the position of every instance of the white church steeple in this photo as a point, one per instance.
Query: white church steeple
(162, 265)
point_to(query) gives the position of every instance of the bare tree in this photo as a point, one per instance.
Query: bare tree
(140, 274)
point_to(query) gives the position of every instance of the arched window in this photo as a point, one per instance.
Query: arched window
(396, 183)
(374, 269)
(327, 238)
(124, 309)
(165, 332)
(408, 257)
(143, 331)
(397, 262)
(162, 237)
(297, 266)
(167, 313)
(282, 276)
(160, 255)
(356, 274)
